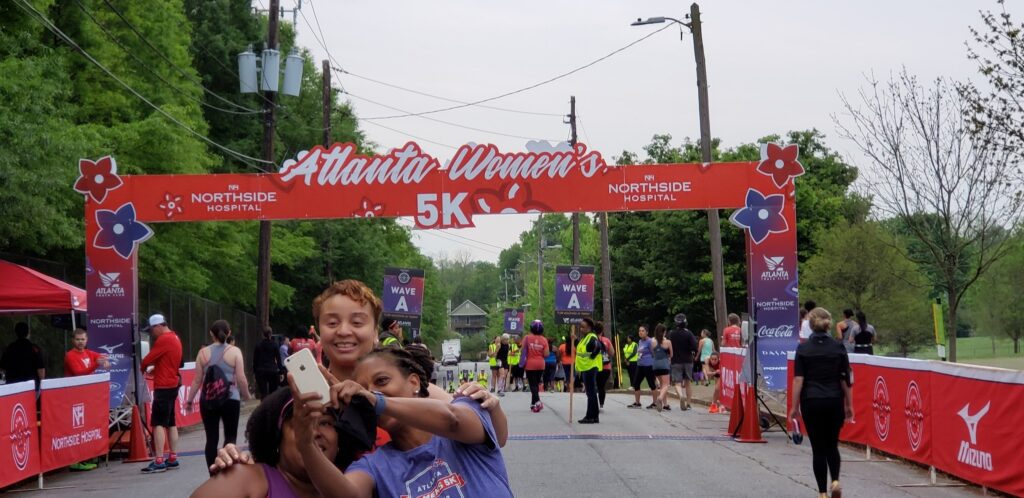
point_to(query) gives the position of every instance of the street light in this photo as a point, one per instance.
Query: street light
(714, 225)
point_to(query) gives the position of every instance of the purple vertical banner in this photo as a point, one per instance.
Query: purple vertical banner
(403, 297)
(574, 294)
(514, 321)
(770, 221)
(111, 282)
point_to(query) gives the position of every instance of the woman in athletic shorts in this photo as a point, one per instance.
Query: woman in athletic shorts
(662, 353)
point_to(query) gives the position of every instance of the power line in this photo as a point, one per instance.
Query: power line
(168, 60)
(584, 128)
(449, 123)
(410, 135)
(441, 234)
(152, 71)
(535, 85)
(31, 10)
(425, 94)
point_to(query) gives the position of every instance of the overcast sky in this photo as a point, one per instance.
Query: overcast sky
(772, 67)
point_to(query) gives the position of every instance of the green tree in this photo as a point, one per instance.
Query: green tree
(859, 266)
(996, 303)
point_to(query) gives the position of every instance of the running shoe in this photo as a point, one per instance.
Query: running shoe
(667, 407)
(634, 405)
(154, 468)
(713, 408)
(172, 464)
(652, 406)
(501, 394)
(81, 467)
(540, 406)
(837, 490)
(588, 421)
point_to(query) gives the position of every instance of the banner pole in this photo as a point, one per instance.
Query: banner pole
(572, 367)
(618, 359)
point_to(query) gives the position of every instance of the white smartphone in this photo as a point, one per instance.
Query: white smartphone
(307, 375)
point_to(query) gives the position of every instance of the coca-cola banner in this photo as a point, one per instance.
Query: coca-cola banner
(963, 419)
(574, 293)
(403, 297)
(74, 419)
(513, 321)
(339, 182)
(19, 437)
(184, 416)
(731, 361)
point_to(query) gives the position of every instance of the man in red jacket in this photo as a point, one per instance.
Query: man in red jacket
(82, 361)
(165, 359)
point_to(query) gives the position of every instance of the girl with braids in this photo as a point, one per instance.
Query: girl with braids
(435, 445)
(346, 314)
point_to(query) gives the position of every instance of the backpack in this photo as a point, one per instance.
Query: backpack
(216, 388)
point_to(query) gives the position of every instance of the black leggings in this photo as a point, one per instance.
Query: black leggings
(266, 383)
(602, 385)
(823, 418)
(642, 373)
(534, 377)
(228, 412)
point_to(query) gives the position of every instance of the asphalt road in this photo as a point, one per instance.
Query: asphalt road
(630, 453)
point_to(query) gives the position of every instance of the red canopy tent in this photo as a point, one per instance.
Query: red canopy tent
(23, 290)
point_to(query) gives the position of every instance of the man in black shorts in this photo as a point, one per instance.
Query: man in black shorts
(684, 350)
(165, 359)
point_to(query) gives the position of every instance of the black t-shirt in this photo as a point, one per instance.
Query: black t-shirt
(21, 361)
(265, 357)
(684, 345)
(822, 362)
(502, 355)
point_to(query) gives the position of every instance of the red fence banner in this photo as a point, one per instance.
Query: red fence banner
(978, 417)
(965, 420)
(19, 448)
(732, 364)
(182, 417)
(74, 419)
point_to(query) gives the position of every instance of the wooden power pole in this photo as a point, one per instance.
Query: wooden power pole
(269, 115)
(575, 216)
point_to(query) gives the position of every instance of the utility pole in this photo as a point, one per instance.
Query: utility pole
(326, 244)
(540, 266)
(714, 225)
(269, 115)
(575, 216)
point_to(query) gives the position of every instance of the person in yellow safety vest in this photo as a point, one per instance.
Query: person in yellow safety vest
(392, 335)
(515, 378)
(481, 378)
(588, 365)
(631, 356)
(492, 358)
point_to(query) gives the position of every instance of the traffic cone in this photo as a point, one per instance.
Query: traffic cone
(750, 428)
(736, 412)
(138, 450)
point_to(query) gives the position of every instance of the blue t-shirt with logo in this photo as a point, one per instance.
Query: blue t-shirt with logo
(645, 351)
(442, 468)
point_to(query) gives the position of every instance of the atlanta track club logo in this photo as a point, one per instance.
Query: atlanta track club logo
(575, 275)
(882, 408)
(404, 277)
(914, 411)
(21, 437)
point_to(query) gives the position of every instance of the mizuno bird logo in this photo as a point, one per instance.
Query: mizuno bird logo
(972, 420)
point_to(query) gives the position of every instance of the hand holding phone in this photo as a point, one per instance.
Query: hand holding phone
(307, 375)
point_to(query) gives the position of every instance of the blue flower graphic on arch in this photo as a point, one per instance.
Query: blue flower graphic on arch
(119, 230)
(762, 215)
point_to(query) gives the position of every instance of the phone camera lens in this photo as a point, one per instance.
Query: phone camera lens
(302, 368)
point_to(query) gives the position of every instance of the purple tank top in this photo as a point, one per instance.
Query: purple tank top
(277, 485)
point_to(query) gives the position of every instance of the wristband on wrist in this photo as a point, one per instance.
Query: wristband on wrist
(381, 404)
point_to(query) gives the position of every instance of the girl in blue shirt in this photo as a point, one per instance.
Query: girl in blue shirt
(437, 448)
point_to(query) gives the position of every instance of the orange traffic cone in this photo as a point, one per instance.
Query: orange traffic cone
(736, 412)
(750, 428)
(139, 450)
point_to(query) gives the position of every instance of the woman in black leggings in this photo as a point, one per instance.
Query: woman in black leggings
(535, 348)
(821, 383)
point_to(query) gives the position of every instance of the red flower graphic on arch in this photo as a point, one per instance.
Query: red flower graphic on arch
(368, 209)
(97, 177)
(780, 163)
(171, 205)
(511, 198)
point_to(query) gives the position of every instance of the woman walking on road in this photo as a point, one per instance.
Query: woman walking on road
(644, 369)
(821, 384)
(662, 353)
(864, 341)
(705, 348)
(535, 347)
(220, 372)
